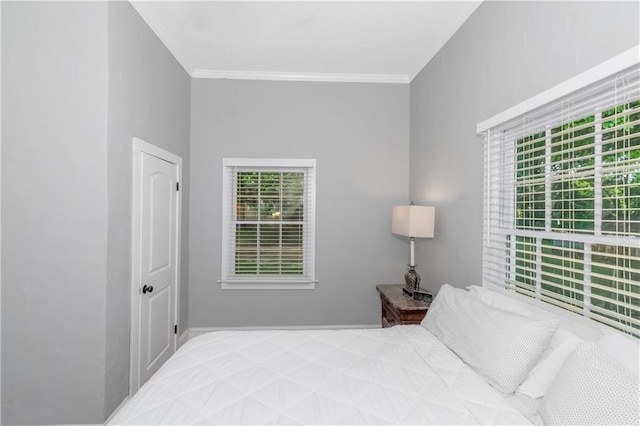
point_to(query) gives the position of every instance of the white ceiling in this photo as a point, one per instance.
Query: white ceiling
(366, 41)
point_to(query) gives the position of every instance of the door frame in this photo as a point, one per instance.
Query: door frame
(141, 147)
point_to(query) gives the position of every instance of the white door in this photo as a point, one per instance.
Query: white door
(156, 259)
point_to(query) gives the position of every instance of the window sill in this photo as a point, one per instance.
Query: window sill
(266, 285)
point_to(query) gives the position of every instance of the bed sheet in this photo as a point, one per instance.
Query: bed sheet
(398, 375)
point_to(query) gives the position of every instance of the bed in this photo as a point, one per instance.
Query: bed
(449, 370)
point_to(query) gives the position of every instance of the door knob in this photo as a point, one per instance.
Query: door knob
(147, 289)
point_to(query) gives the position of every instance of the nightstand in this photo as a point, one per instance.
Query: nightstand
(398, 308)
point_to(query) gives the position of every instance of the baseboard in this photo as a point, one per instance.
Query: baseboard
(124, 401)
(184, 337)
(197, 331)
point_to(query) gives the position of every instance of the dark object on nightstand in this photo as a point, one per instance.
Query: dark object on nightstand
(425, 296)
(397, 308)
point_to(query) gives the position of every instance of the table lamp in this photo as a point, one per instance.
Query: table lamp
(413, 222)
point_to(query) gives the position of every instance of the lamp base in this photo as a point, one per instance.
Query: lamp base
(411, 280)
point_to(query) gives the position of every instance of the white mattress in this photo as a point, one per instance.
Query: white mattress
(399, 375)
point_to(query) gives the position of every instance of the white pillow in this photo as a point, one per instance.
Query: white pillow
(501, 301)
(500, 346)
(561, 345)
(592, 388)
(624, 349)
(511, 301)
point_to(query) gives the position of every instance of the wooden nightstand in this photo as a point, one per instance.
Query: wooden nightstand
(398, 308)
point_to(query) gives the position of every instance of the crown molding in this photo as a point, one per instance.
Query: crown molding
(165, 36)
(160, 30)
(295, 76)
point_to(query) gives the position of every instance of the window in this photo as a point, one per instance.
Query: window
(268, 229)
(562, 202)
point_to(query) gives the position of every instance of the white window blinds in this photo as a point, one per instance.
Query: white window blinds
(562, 202)
(268, 223)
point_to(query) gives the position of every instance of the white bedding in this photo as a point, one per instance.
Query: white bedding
(398, 375)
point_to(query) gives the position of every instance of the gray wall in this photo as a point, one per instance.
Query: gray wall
(54, 211)
(148, 98)
(79, 81)
(505, 53)
(359, 134)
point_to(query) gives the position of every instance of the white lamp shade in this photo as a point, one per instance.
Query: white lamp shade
(413, 221)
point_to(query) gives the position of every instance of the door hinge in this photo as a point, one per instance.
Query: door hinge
(177, 186)
(175, 329)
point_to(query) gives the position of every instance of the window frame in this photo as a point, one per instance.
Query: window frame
(229, 279)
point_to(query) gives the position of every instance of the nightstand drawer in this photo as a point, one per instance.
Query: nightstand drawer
(386, 323)
(398, 308)
(390, 316)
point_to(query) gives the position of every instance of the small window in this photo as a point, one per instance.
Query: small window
(268, 234)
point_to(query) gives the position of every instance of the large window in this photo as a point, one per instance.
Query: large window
(562, 202)
(269, 223)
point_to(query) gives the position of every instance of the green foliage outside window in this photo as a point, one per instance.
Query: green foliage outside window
(566, 184)
(269, 223)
